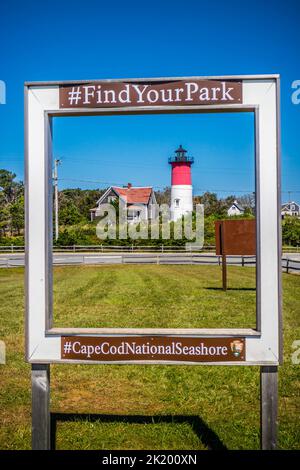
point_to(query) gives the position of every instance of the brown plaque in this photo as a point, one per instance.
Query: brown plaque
(235, 237)
(108, 94)
(152, 348)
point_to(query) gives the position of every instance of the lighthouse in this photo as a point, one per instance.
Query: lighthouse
(181, 184)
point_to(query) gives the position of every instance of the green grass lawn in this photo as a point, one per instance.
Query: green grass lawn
(147, 407)
(155, 296)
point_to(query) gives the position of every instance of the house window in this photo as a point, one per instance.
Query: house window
(177, 201)
(292, 207)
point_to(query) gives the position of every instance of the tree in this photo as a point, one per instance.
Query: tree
(9, 188)
(69, 215)
(164, 196)
(11, 203)
(4, 216)
(82, 199)
(16, 212)
(247, 201)
(291, 231)
(213, 205)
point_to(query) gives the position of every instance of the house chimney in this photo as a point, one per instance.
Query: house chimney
(129, 185)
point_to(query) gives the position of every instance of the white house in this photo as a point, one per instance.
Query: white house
(140, 202)
(290, 208)
(235, 209)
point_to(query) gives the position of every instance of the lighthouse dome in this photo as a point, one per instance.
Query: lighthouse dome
(180, 156)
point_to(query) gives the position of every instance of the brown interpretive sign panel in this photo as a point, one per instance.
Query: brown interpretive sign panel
(152, 348)
(235, 237)
(109, 94)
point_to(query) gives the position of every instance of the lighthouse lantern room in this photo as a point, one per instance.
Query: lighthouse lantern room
(181, 184)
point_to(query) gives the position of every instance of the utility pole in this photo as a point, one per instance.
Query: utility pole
(55, 182)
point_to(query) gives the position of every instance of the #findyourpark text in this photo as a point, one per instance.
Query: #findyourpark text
(118, 94)
(142, 94)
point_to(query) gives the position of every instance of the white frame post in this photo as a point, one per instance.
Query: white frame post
(268, 407)
(40, 378)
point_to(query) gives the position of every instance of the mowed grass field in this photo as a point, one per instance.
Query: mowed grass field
(147, 407)
(139, 296)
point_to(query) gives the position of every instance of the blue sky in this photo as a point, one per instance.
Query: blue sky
(135, 149)
(74, 40)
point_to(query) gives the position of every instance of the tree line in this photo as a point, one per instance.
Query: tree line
(75, 226)
(11, 205)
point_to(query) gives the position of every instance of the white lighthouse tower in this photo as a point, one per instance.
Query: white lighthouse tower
(181, 184)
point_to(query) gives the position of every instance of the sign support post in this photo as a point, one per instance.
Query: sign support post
(224, 272)
(40, 383)
(224, 265)
(268, 406)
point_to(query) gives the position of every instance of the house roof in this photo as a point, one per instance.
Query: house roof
(240, 208)
(288, 204)
(134, 195)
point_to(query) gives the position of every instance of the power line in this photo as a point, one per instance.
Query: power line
(110, 183)
(133, 165)
(91, 181)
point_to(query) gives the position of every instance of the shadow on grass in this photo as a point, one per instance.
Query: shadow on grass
(232, 288)
(206, 435)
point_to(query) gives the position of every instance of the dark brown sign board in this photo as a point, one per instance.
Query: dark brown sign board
(110, 94)
(235, 237)
(152, 348)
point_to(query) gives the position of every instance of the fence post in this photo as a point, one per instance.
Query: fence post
(12, 248)
(243, 261)
(287, 265)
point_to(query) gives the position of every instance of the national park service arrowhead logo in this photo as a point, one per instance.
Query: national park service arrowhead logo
(237, 347)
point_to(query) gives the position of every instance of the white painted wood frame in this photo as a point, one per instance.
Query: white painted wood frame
(261, 97)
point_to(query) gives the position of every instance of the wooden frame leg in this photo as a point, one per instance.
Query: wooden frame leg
(40, 383)
(269, 406)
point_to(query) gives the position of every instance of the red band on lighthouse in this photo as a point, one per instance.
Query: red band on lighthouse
(181, 173)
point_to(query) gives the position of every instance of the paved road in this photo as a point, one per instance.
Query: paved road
(12, 260)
